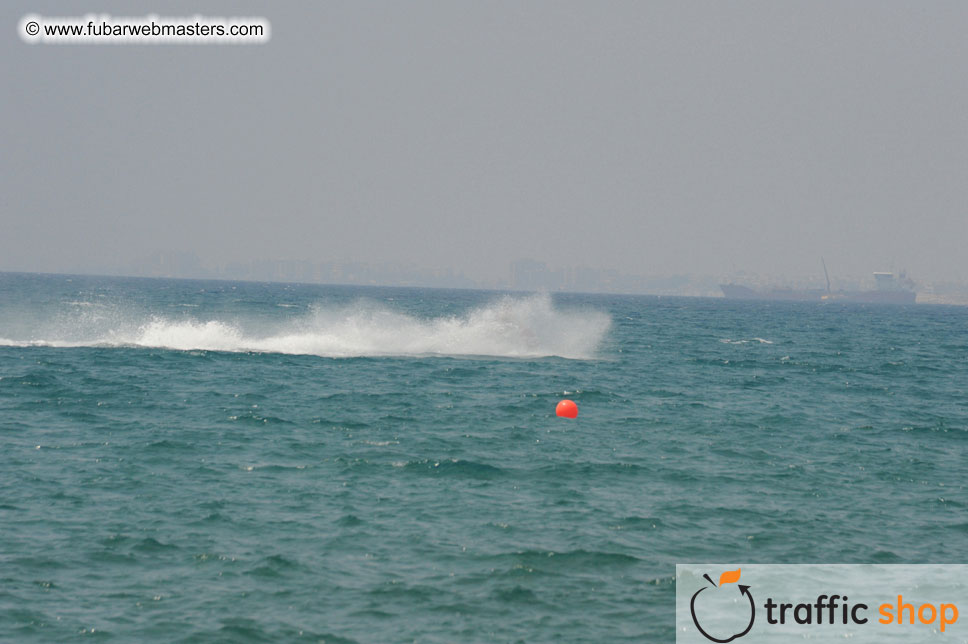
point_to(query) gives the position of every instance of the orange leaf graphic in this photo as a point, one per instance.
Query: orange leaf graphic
(729, 577)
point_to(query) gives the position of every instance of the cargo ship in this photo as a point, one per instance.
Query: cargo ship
(891, 289)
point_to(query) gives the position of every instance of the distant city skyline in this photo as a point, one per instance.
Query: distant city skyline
(524, 274)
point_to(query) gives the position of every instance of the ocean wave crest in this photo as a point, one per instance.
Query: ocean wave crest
(513, 327)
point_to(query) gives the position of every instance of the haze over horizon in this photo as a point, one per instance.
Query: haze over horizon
(646, 138)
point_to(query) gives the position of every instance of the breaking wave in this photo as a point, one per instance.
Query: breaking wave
(508, 327)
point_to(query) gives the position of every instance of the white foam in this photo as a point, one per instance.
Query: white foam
(190, 334)
(508, 327)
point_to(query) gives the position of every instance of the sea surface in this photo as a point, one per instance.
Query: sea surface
(200, 461)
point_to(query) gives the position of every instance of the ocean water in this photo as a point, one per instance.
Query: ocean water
(192, 461)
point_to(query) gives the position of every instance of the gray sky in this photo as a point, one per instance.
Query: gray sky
(651, 137)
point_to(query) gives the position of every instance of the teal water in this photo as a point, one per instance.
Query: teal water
(188, 461)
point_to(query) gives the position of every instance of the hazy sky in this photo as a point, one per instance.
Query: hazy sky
(651, 137)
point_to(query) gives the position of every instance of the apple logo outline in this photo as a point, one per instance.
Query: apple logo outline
(744, 590)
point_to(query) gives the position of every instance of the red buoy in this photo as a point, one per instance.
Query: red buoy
(567, 409)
